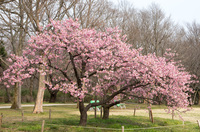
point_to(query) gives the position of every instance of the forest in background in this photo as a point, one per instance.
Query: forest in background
(148, 28)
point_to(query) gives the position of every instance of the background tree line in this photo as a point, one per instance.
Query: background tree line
(148, 28)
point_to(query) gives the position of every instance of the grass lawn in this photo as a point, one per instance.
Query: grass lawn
(66, 118)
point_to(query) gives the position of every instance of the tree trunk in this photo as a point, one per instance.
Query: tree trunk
(199, 97)
(77, 104)
(8, 98)
(95, 108)
(31, 89)
(83, 114)
(16, 104)
(106, 112)
(53, 93)
(17, 92)
(101, 115)
(40, 95)
(20, 95)
(53, 96)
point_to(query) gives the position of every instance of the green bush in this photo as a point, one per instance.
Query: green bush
(46, 95)
(25, 92)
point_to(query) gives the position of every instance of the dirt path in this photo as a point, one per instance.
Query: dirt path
(3, 107)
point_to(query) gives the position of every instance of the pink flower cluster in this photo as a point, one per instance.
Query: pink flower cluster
(84, 61)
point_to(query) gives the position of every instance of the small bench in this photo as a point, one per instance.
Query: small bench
(121, 105)
(97, 107)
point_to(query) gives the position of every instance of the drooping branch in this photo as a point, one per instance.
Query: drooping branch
(136, 96)
(125, 88)
(117, 102)
(108, 99)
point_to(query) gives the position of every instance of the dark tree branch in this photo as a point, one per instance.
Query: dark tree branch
(115, 94)
(75, 71)
(64, 74)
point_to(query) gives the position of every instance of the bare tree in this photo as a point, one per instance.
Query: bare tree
(14, 25)
(92, 13)
(39, 13)
(5, 1)
(189, 53)
(3, 65)
(149, 29)
(21, 19)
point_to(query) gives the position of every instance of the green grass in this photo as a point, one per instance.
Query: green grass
(63, 119)
(115, 123)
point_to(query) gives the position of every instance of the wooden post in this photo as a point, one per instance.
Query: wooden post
(95, 111)
(49, 113)
(95, 108)
(134, 111)
(150, 112)
(42, 130)
(172, 114)
(0, 121)
(151, 115)
(101, 112)
(22, 115)
(95, 100)
(1, 118)
(122, 128)
(198, 123)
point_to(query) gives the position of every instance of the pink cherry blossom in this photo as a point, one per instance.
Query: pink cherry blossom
(83, 61)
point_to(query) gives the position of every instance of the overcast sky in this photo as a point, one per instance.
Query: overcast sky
(181, 11)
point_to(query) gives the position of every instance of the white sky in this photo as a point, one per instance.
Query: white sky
(181, 11)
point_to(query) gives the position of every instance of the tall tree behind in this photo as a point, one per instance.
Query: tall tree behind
(156, 30)
(189, 53)
(5, 1)
(14, 28)
(39, 13)
(3, 66)
(92, 13)
(17, 16)
(147, 28)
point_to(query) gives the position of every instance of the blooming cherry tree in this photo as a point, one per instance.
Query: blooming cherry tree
(84, 61)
